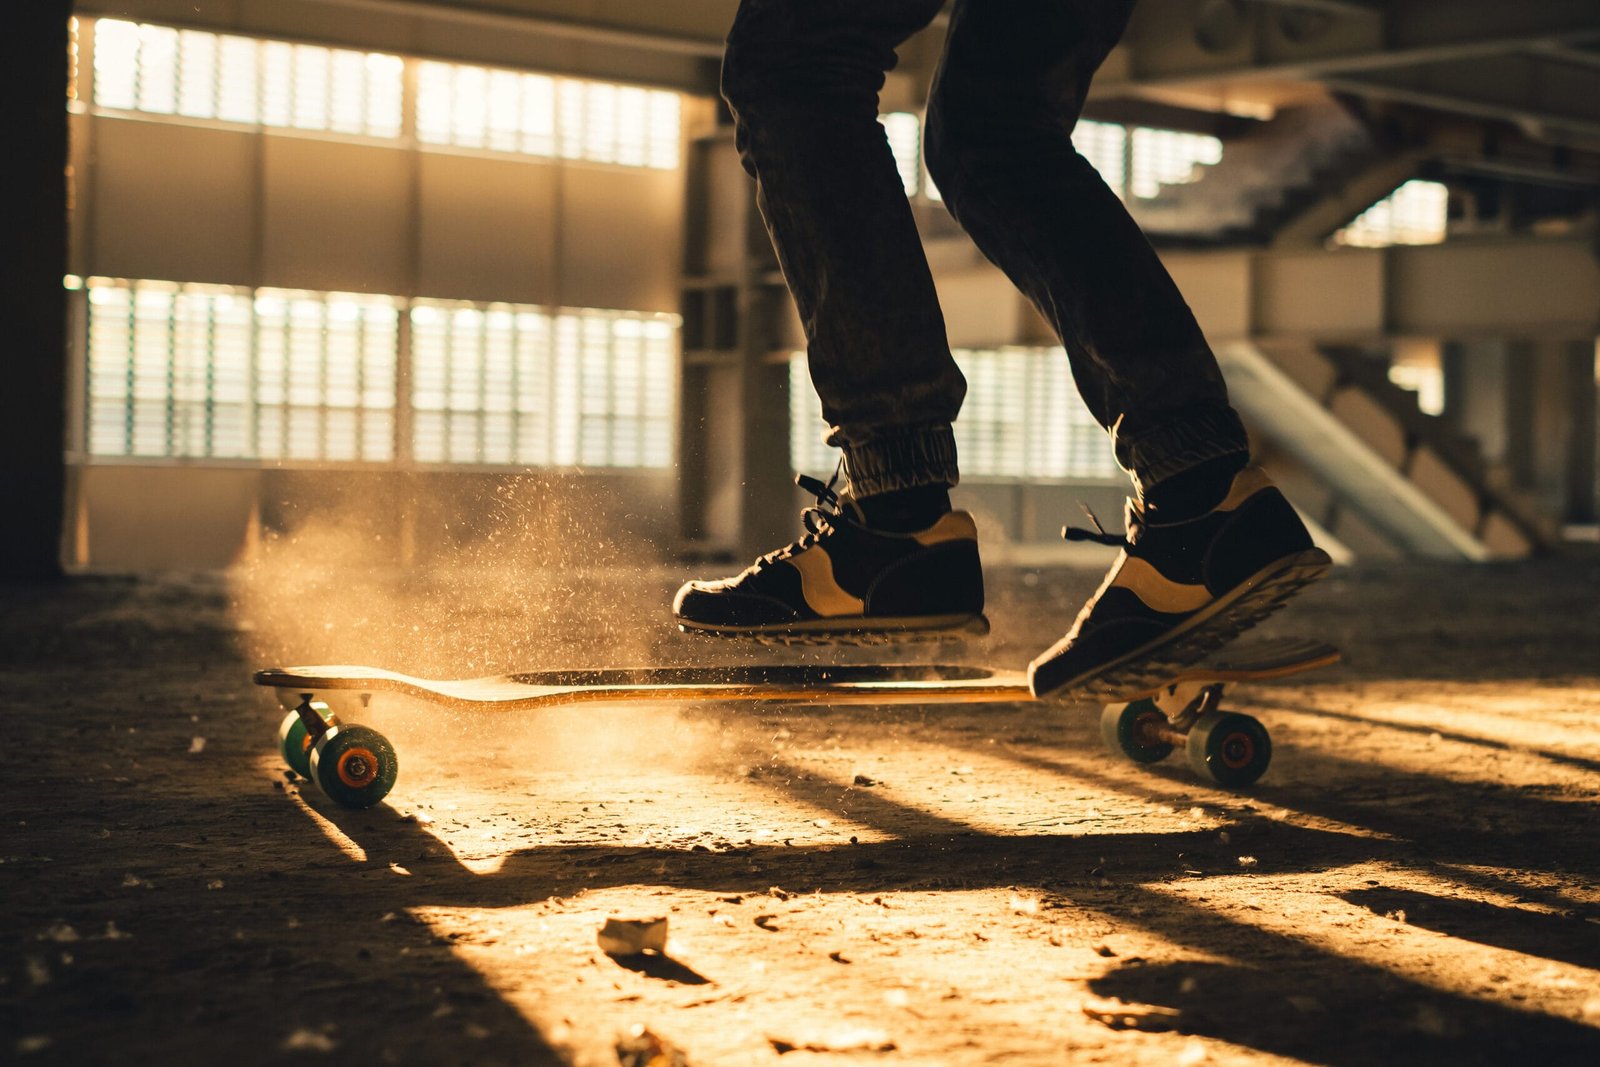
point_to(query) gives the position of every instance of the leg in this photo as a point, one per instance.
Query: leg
(999, 145)
(802, 79)
(1212, 546)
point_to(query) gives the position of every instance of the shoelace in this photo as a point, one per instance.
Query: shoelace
(817, 519)
(1098, 535)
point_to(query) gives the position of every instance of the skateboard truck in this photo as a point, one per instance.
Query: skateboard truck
(1228, 748)
(354, 765)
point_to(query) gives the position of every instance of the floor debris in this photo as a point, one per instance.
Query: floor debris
(629, 937)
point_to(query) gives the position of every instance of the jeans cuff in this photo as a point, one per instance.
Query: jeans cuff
(922, 456)
(1175, 446)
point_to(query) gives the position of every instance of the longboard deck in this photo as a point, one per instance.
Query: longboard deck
(877, 684)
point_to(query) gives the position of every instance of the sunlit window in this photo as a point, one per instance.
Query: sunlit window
(904, 131)
(536, 114)
(1022, 419)
(1416, 366)
(194, 74)
(215, 372)
(1104, 145)
(1168, 157)
(1134, 161)
(513, 384)
(1414, 214)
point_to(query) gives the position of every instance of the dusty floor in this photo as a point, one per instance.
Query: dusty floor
(1417, 879)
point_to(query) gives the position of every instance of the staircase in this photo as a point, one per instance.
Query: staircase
(1265, 179)
(1404, 473)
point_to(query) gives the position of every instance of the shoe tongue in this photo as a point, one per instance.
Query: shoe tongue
(850, 509)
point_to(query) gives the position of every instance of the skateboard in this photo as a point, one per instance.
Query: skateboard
(355, 766)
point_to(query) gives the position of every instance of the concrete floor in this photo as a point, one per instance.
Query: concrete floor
(1417, 879)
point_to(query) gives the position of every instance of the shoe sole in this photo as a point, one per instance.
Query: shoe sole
(1146, 669)
(864, 632)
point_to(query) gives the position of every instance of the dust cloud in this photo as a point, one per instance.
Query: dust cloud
(457, 578)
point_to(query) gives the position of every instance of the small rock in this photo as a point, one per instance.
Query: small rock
(838, 957)
(1120, 1015)
(1248, 861)
(196, 744)
(765, 922)
(308, 1041)
(865, 782)
(1103, 949)
(641, 1047)
(842, 1039)
(629, 937)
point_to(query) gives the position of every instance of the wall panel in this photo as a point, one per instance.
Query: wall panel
(621, 238)
(487, 228)
(335, 216)
(171, 201)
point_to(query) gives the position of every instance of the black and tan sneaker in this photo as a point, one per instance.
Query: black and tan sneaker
(1180, 591)
(843, 581)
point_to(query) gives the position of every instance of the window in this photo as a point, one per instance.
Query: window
(1416, 366)
(214, 372)
(1023, 419)
(904, 131)
(193, 74)
(1134, 161)
(1167, 157)
(1414, 214)
(513, 384)
(1105, 146)
(535, 114)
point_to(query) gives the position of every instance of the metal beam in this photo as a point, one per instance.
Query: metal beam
(1528, 287)
(1185, 42)
(1543, 97)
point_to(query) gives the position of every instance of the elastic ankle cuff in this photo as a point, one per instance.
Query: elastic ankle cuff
(1179, 445)
(926, 456)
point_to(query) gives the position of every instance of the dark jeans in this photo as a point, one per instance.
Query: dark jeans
(802, 79)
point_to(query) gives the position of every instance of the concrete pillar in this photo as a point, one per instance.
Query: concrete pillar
(1475, 379)
(736, 494)
(1550, 425)
(1564, 453)
(33, 305)
(1521, 416)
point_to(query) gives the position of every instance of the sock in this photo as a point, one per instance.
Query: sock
(1191, 493)
(906, 510)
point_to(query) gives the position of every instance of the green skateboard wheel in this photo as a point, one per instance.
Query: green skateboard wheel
(354, 765)
(1229, 748)
(295, 743)
(1121, 730)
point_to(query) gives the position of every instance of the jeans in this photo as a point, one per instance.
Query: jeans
(802, 79)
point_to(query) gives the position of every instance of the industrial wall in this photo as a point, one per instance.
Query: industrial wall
(185, 199)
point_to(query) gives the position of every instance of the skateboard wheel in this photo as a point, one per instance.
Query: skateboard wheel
(355, 766)
(1229, 748)
(295, 743)
(1122, 729)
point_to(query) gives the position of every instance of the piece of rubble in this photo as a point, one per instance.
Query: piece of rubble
(839, 1039)
(629, 937)
(1120, 1015)
(304, 1040)
(642, 1047)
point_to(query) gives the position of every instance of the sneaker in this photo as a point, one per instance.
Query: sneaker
(843, 581)
(1180, 591)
